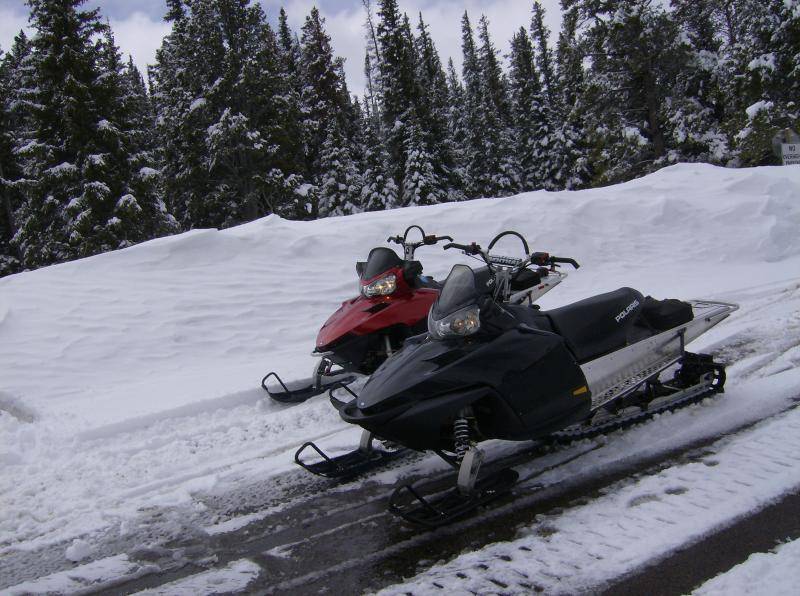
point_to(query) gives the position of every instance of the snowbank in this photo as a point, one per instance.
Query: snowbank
(780, 570)
(131, 378)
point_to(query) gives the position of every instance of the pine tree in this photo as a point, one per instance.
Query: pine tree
(475, 168)
(544, 55)
(70, 129)
(9, 263)
(457, 133)
(501, 176)
(420, 183)
(399, 90)
(226, 117)
(120, 203)
(636, 57)
(340, 183)
(570, 168)
(532, 134)
(786, 40)
(289, 45)
(432, 112)
(327, 111)
(697, 107)
(765, 50)
(16, 88)
(380, 190)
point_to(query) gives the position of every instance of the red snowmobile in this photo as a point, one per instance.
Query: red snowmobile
(393, 305)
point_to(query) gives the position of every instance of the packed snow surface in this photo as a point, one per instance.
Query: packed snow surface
(780, 570)
(234, 577)
(130, 380)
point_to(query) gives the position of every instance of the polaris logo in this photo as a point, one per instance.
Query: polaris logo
(631, 307)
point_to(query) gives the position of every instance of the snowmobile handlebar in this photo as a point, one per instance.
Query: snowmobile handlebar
(544, 259)
(427, 240)
(470, 249)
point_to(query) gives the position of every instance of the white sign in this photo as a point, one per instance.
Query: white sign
(791, 154)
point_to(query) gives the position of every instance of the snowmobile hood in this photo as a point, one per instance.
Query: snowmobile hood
(362, 316)
(425, 368)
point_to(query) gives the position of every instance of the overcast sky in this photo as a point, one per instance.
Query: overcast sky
(139, 27)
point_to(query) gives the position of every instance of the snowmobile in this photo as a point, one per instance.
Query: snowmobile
(392, 305)
(394, 299)
(488, 369)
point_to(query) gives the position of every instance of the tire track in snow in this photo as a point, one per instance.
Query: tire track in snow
(635, 523)
(329, 542)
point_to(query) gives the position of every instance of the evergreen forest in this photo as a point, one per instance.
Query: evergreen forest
(241, 116)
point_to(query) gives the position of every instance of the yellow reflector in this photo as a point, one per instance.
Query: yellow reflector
(580, 390)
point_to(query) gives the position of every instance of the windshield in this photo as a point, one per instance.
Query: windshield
(459, 291)
(380, 259)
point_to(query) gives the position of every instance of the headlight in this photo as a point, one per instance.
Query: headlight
(463, 322)
(380, 287)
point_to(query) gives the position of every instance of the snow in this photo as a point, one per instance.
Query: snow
(233, 578)
(78, 550)
(633, 523)
(197, 104)
(764, 62)
(757, 107)
(130, 380)
(148, 173)
(90, 578)
(62, 168)
(780, 570)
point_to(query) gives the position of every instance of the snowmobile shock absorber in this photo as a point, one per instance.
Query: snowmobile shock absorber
(461, 436)
(388, 345)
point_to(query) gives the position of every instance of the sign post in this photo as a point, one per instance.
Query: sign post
(790, 154)
(786, 145)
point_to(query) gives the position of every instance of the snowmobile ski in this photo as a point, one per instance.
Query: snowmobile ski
(364, 459)
(300, 391)
(453, 504)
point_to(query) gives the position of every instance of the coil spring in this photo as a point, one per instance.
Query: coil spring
(461, 437)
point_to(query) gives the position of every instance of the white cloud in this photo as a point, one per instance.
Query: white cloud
(140, 34)
(443, 17)
(137, 34)
(11, 22)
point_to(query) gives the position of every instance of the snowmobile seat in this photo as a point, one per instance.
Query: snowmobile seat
(662, 315)
(600, 324)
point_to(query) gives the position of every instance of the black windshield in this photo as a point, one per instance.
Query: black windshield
(459, 291)
(380, 259)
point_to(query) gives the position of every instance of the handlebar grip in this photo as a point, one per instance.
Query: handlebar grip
(428, 240)
(471, 249)
(540, 258)
(572, 262)
(395, 239)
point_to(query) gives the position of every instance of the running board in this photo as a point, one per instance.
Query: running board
(618, 373)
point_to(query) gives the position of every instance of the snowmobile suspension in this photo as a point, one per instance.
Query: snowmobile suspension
(461, 436)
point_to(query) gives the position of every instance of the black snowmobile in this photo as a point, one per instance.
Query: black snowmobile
(488, 369)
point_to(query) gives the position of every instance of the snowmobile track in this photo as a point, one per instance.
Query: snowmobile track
(346, 540)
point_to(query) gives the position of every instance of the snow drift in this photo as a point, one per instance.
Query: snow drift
(131, 378)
